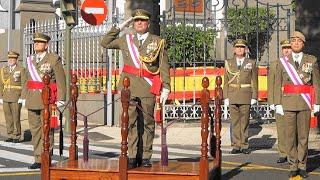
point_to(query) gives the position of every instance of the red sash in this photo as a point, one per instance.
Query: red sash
(40, 85)
(156, 81)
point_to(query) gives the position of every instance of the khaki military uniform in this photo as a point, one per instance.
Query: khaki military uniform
(11, 83)
(240, 86)
(296, 111)
(280, 122)
(51, 64)
(140, 89)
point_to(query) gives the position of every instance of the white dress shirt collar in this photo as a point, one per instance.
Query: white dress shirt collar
(142, 37)
(240, 61)
(39, 57)
(11, 68)
(299, 55)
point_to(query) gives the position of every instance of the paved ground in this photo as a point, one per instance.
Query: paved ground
(183, 141)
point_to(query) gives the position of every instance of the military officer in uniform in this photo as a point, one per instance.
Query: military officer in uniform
(39, 64)
(281, 123)
(12, 78)
(240, 91)
(146, 64)
(295, 78)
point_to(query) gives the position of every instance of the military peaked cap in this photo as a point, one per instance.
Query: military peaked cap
(297, 34)
(240, 42)
(285, 43)
(13, 54)
(41, 37)
(141, 14)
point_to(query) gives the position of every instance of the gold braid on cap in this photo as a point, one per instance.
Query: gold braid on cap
(139, 13)
(151, 57)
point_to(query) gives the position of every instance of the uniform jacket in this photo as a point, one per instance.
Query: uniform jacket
(138, 86)
(271, 80)
(248, 75)
(16, 78)
(53, 64)
(309, 71)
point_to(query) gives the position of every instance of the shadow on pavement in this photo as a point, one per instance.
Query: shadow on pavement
(107, 154)
(254, 129)
(265, 142)
(27, 135)
(313, 160)
(237, 170)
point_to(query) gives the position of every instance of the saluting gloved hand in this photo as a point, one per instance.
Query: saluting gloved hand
(22, 102)
(164, 96)
(316, 108)
(226, 102)
(1, 101)
(125, 24)
(60, 103)
(253, 101)
(279, 110)
(272, 107)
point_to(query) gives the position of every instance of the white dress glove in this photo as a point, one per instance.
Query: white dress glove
(279, 110)
(125, 24)
(272, 107)
(22, 102)
(60, 103)
(1, 101)
(226, 102)
(253, 101)
(164, 95)
(316, 108)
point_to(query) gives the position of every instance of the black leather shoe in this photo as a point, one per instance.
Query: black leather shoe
(16, 141)
(282, 160)
(235, 151)
(132, 163)
(245, 151)
(146, 163)
(293, 174)
(303, 173)
(8, 140)
(35, 166)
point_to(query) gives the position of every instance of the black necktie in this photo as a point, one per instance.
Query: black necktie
(239, 65)
(296, 56)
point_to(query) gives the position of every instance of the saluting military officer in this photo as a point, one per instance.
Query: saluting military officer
(146, 64)
(294, 80)
(240, 91)
(12, 79)
(39, 64)
(280, 122)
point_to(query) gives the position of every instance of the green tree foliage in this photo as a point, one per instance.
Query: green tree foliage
(186, 43)
(245, 23)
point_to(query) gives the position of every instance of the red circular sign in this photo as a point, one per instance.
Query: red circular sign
(94, 12)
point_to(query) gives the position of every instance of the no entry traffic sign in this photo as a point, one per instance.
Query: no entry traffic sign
(94, 12)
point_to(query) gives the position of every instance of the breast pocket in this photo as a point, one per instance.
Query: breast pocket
(245, 75)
